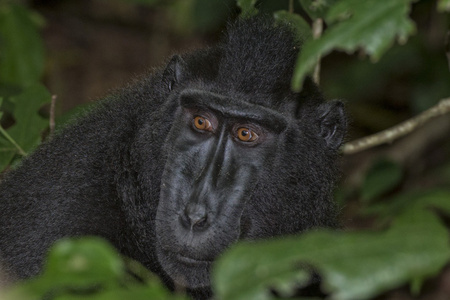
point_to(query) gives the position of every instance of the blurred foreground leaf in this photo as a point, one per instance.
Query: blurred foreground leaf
(356, 265)
(87, 268)
(372, 25)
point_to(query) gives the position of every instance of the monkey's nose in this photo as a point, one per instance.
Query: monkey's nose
(194, 217)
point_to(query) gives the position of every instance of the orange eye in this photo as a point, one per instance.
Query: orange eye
(246, 135)
(202, 124)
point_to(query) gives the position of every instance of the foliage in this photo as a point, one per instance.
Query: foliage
(200, 15)
(444, 5)
(352, 265)
(22, 48)
(247, 7)
(371, 24)
(317, 9)
(382, 177)
(302, 27)
(21, 66)
(90, 268)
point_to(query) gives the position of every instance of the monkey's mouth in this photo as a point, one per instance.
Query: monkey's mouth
(191, 261)
(186, 271)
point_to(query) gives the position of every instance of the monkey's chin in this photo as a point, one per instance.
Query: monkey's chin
(186, 272)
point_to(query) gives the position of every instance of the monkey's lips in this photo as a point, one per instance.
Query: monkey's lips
(191, 261)
(185, 270)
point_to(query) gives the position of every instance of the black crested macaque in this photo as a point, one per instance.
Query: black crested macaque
(178, 166)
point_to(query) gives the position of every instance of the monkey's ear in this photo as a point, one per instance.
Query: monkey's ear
(174, 72)
(333, 123)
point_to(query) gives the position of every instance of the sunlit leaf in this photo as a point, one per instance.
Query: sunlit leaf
(372, 25)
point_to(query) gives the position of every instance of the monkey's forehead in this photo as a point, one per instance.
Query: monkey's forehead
(233, 107)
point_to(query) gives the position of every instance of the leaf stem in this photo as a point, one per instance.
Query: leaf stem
(12, 141)
(317, 29)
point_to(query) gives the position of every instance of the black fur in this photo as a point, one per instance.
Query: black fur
(102, 174)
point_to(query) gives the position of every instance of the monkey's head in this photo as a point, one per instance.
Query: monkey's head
(245, 157)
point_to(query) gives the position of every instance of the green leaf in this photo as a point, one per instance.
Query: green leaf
(29, 124)
(357, 265)
(381, 178)
(317, 8)
(21, 48)
(7, 152)
(421, 200)
(88, 268)
(301, 27)
(247, 7)
(371, 24)
(83, 263)
(443, 5)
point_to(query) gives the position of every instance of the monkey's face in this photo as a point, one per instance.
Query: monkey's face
(216, 150)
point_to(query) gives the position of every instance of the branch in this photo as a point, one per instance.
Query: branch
(317, 29)
(400, 130)
(52, 115)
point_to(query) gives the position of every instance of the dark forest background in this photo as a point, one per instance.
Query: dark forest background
(92, 47)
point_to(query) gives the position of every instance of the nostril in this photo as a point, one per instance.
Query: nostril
(194, 217)
(199, 222)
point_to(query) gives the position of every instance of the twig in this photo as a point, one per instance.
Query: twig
(317, 29)
(402, 129)
(52, 115)
(291, 6)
